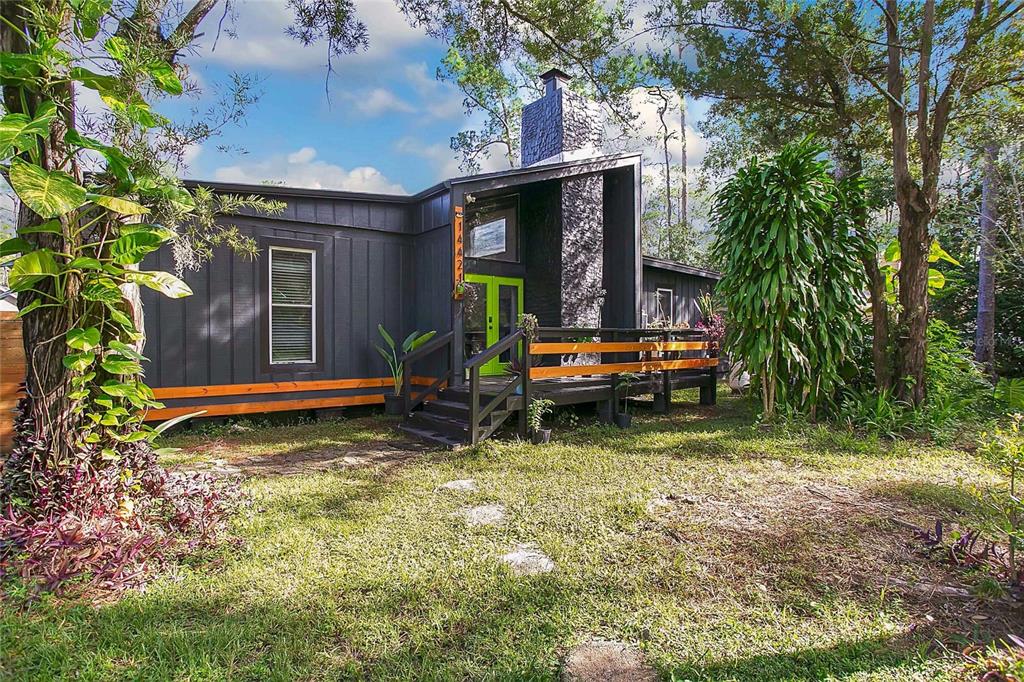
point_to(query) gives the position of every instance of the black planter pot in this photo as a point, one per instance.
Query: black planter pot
(540, 436)
(394, 404)
(623, 420)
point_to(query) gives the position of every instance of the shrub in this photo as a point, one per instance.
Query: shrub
(87, 528)
(791, 280)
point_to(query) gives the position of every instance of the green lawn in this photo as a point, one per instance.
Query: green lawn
(723, 551)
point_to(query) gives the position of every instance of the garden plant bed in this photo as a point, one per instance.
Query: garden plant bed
(713, 548)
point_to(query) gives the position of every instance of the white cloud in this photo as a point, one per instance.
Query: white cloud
(444, 160)
(647, 133)
(440, 100)
(302, 169)
(378, 101)
(262, 43)
(304, 155)
(439, 155)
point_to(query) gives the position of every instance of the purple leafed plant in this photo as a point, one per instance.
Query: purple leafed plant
(102, 528)
(713, 328)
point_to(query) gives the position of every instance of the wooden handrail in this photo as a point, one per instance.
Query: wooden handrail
(500, 346)
(614, 347)
(412, 401)
(429, 347)
(622, 367)
(520, 380)
(597, 331)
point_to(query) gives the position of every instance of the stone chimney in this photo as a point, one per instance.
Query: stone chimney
(564, 126)
(561, 125)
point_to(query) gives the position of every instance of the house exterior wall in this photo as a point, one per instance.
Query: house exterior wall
(686, 288)
(376, 263)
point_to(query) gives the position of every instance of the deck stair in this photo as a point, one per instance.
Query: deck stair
(445, 421)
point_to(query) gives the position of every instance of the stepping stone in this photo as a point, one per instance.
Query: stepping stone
(484, 515)
(605, 661)
(463, 484)
(526, 559)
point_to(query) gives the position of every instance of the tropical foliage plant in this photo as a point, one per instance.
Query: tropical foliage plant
(82, 494)
(791, 280)
(392, 352)
(535, 413)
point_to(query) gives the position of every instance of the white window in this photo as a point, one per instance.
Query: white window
(292, 305)
(665, 307)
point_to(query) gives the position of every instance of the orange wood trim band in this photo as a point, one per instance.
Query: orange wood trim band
(614, 347)
(272, 406)
(277, 387)
(620, 367)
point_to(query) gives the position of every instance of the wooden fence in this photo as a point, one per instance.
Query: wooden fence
(12, 374)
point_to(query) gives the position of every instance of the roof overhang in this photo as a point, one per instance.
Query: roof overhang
(481, 182)
(674, 266)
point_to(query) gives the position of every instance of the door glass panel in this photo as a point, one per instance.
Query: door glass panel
(508, 313)
(475, 317)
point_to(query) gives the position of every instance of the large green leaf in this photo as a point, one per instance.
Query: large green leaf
(118, 205)
(18, 133)
(83, 339)
(164, 77)
(164, 282)
(101, 83)
(1011, 391)
(31, 268)
(89, 13)
(118, 164)
(49, 193)
(14, 245)
(131, 248)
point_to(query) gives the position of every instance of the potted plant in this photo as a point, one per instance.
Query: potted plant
(535, 420)
(394, 403)
(712, 324)
(624, 419)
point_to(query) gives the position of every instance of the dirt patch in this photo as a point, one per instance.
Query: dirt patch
(603, 661)
(383, 454)
(791, 540)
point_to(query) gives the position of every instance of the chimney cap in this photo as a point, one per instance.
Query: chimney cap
(555, 73)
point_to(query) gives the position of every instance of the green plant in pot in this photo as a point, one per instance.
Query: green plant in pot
(624, 419)
(539, 407)
(394, 403)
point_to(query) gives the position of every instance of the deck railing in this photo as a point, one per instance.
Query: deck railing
(412, 401)
(520, 379)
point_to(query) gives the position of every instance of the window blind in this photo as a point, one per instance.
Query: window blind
(292, 298)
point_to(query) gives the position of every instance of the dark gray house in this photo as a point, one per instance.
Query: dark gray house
(671, 290)
(295, 328)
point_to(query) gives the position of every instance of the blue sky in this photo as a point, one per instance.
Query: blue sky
(386, 127)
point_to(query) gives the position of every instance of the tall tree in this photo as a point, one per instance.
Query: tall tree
(831, 68)
(984, 344)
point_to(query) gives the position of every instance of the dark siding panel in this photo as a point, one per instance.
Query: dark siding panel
(360, 293)
(686, 289)
(220, 311)
(243, 319)
(342, 305)
(197, 329)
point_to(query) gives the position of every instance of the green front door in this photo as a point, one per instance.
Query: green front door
(491, 311)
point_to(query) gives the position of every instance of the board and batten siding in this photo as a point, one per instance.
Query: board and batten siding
(385, 266)
(686, 288)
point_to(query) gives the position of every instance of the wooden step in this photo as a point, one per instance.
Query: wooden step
(431, 436)
(451, 427)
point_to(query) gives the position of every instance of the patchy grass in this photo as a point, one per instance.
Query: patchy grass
(722, 550)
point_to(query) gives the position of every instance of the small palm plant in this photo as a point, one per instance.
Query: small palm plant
(393, 353)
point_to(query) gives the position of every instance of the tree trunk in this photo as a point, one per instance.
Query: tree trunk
(684, 188)
(984, 342)
(879, 320)
(913, 299)
(47, 381)
(849, 162)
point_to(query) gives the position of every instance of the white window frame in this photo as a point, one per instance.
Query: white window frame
(671, 304)
(311, 306)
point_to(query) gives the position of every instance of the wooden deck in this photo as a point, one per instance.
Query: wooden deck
(579, 390)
